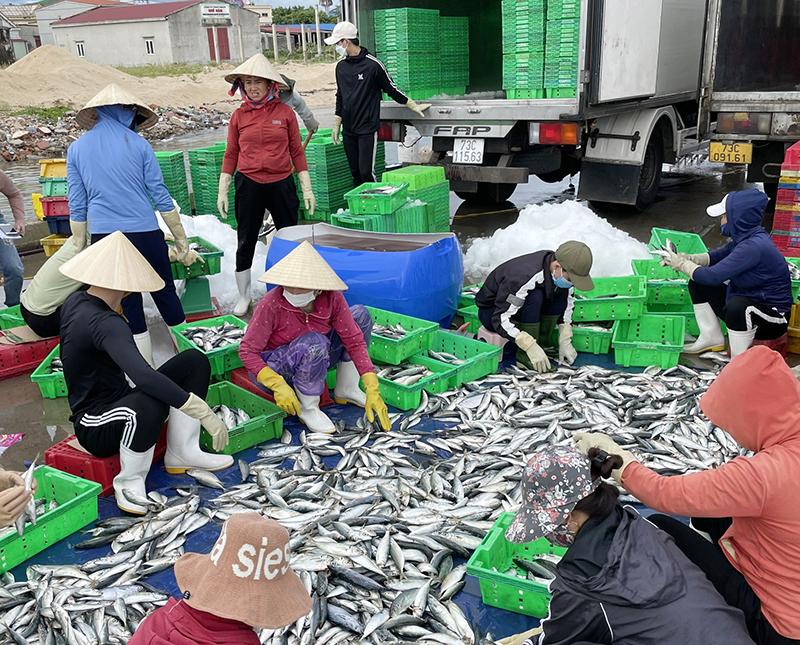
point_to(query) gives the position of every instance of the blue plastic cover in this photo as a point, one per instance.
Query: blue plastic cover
(424, 282)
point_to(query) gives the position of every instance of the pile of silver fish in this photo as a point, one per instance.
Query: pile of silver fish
(30, 512)
(394, 332)
(445, 357)
(56, 365)
(231, 417)
(404, 374)
(208, 338)
(471, 290)
(103, 600)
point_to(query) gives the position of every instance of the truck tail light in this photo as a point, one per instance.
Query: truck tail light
(390, 131)
(744, 122)
(554, 133)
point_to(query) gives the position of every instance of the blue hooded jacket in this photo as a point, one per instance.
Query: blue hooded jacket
(113, 176)
(752, 263)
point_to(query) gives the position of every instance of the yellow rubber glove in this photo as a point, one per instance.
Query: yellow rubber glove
(375, 407)
(285, 398)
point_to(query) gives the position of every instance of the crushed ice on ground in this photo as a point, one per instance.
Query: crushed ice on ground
(546, 226)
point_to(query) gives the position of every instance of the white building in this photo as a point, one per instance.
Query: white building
(189, 31)
(50, 11)
(264, 11)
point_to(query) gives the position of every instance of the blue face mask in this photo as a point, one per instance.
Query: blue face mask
(725, 229)
(561, 282)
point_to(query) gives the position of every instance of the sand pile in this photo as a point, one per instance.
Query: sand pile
(52, 75)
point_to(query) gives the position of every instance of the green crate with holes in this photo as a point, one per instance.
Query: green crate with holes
(619, 298)
(649, 341)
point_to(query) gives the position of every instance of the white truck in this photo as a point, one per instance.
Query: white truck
(636, 104)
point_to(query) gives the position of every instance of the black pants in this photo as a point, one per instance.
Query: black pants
(44, 326)
(739, 313)
(152, 246)
(730, 584)
(360, 151)
(135, 420)
(252, 200)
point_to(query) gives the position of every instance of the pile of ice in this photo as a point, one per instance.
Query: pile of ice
(546, 226)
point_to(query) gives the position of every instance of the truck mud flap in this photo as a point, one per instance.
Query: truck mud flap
(490, 174)
(609, 182)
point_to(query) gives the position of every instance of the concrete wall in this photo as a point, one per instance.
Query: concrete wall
(190, 38)
(119, 44)
(58, 11)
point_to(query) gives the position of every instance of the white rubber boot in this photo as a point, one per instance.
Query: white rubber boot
(145, 346)
(740, 341)
(347, 380)
(711, 338)
(134, 467)
(243, 285)
(183, 447)
(314, 418)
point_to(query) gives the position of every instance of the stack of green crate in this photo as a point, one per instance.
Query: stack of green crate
(173, 168)
(407, 42)
(561, 48)
(205, 166)
(426, 184)
(330, 178)
(523, 48)
(454, 54)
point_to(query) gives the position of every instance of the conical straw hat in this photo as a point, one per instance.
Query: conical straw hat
(304, 268)
(257, 65)
(113, 94)
(113, 263)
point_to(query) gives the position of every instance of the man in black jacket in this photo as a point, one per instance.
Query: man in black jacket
(360, 79)
(524, 298)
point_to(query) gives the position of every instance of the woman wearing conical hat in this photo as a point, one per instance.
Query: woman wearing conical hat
(98, 350)
(302, 328)
(113, 180)
(264, 149)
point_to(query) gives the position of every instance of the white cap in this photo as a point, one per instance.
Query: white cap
(718, 210)
(342, 29)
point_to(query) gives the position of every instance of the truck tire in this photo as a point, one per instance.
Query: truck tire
(492, 194)
(650, 179)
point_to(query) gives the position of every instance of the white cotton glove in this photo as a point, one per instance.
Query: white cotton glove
(337, 128)
(536, 355)
(418, 108)
(183, 253)
(679, 262)
(198, 409)
(566, 352)
(222, 197)
(78, 230)
(309, 201)
(700, 259)
(586, 440)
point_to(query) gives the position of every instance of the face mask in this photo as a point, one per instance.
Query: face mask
(725, 229)
(300, 300)
(562, 536)
(561, 281)
(340, 50)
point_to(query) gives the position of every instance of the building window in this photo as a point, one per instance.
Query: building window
(149, 46)
(81, 50)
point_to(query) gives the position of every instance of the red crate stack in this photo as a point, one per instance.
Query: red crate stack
(786, 223)
(20, 359)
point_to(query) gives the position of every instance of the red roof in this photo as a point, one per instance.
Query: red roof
(127, 13)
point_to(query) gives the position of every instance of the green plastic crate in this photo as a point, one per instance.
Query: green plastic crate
(517, 93)
(52, 385)
(563, 9)
(689, 243)
(406, 29)
(596, 305)
(394, 352)
(408, 397)
(438, 199)
(480, 359)
(362, 202)
(77, 507)
(494, 556)
(374, 223)
(664, 284)
(466, 298)
(265, 424)
(469, 314)
(417, 177)
(223, 359)
(560, 93)
(211, 265)
(590, 341)
(792, 261)
(649, 340)
(196, 297)
(412, 217)
(53, 186)
(11, 317)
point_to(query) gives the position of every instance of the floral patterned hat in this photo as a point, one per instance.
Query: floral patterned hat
(554, 481)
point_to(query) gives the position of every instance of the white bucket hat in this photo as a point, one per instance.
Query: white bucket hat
(257, 65)
(113, 94)
(342, 29)
(304, 268)
(718, 210)
(113, 263)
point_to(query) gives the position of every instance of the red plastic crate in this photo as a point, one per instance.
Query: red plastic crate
(792, 155)
(55, 206)
(787, 196)
(786, 221)
(81, 464)
(241, 378)
(21, 359)
(216, 311)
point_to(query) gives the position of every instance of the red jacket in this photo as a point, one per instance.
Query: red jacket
(176, 623)
(264, 143)
(276, 323)
(757, 400)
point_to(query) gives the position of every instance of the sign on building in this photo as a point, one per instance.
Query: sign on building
(216, 13)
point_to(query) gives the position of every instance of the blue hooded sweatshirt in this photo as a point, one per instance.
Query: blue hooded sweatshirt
(113, 177)
(752, 263)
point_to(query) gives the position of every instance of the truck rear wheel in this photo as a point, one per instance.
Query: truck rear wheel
(650, 179)
(488, 193)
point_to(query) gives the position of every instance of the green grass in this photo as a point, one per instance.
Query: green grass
(177, 69)
(49, 113)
